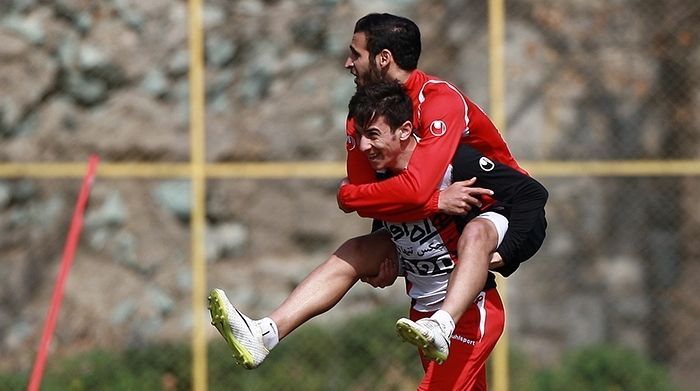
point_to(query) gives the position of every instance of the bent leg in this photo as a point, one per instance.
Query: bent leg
(330, 281)
(478, 240)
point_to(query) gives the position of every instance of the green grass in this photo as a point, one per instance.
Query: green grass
(361, 354)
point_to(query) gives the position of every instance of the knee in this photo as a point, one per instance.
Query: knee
(352, 248)
(479, 234)
(362, 253)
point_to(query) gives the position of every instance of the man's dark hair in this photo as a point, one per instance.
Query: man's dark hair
(385, 98)
(397, 34)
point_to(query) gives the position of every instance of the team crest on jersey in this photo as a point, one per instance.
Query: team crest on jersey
(438, 128)
(350, 143)
(486, 164)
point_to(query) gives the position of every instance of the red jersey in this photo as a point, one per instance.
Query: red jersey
(443, 117)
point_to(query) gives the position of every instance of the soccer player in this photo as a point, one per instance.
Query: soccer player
(427, 248)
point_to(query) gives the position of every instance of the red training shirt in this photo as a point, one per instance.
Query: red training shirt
(443, 118)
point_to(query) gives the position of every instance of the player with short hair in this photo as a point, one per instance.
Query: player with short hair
(428, 248)
(387, 47)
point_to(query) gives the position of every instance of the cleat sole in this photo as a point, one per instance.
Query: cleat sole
(410, 335)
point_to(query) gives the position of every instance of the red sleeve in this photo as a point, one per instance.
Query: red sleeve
(358, 168)
(413, 195)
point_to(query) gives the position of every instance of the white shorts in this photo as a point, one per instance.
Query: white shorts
(499, 221)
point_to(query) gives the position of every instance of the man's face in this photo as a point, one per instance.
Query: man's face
(359, 62)
(380, 144)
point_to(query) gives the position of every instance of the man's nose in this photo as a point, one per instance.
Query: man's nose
(349, 63)
(365, 145)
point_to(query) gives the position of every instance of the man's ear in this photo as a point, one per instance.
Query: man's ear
(384, 58)
(405, 131)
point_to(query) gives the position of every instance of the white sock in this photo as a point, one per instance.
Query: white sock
(445, 321)
(270, 334)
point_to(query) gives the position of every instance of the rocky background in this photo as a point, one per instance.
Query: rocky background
(585, 80)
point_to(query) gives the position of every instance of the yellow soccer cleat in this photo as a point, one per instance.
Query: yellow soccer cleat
(427, 335)
(242, 334)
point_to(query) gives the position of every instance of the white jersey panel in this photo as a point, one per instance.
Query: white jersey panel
(425, 257)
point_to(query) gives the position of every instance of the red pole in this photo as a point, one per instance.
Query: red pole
(68, 255)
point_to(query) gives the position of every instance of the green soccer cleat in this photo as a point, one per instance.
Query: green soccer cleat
(427, 335)
(242, 334)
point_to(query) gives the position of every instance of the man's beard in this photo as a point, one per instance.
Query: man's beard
(373, 76)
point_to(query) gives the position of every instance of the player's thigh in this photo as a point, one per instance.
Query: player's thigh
(365, 253)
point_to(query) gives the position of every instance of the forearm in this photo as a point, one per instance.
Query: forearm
(377, 200)
(399, 212)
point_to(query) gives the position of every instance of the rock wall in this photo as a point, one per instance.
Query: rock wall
(111, 76)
